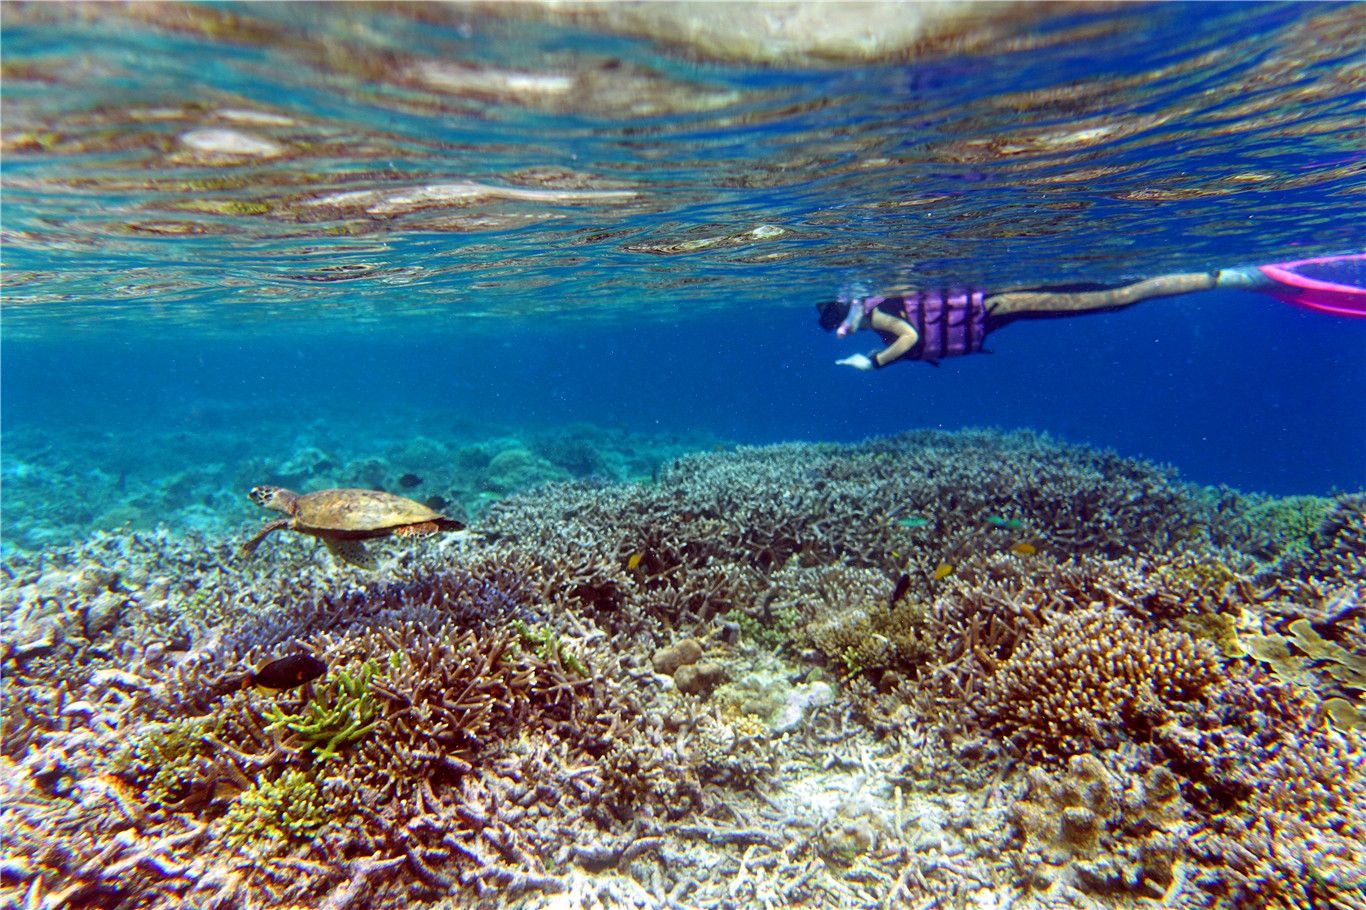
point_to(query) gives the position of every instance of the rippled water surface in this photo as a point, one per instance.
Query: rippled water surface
(224, 162)
(246, 231)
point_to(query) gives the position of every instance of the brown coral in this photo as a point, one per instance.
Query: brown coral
(1103, 828)
(1084, 679)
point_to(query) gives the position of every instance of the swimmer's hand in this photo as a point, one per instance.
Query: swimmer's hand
(858, 361)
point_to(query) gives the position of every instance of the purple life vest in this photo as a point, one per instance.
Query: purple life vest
(950, 323)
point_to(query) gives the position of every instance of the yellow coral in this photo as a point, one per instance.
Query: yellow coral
(288, 808)
(1085, 676)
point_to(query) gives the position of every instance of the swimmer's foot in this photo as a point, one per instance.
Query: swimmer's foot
(1247, 277)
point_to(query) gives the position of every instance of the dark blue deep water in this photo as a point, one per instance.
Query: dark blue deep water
(228, 227)
(1232, 388)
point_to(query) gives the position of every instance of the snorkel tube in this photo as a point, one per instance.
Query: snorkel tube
(853, 319)
(860, 305)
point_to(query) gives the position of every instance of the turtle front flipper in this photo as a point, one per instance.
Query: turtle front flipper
(250, 546)
(352, 551)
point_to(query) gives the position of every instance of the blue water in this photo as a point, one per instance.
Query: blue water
(146, 282)
(460, 252)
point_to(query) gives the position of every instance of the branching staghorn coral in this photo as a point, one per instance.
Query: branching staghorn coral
(1084, 678)
(339, 715)
(825, 502)
(1283, 797)
(1336, 551)
(289, 807)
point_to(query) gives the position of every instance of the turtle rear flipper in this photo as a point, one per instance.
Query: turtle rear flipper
(352, 551)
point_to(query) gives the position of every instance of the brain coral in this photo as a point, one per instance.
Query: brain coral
(1099, 827)
(1084, 678)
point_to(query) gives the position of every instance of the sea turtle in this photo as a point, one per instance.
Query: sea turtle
(341, 519)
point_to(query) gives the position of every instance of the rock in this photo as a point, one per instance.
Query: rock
(94, 579)
(102, 615)
(846, 839)
(38, 637)
(306, 464)
(1079, 829)
(800, 701)
(699, 678)
(519, 468)
(668, 660)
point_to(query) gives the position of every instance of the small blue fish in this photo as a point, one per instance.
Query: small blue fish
(1010, 524)
(913, 521)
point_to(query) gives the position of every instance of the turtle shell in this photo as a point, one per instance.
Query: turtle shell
(360, 510)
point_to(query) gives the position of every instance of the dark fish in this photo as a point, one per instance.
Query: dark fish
(903, 584)
(437, 503)
(287, 672)
(409, 480)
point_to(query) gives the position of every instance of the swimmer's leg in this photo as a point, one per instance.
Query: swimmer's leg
(1107, 299)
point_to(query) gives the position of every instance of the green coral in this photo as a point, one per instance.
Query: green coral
(334, 718)
(1287, 525)
(288, 808)
(771, 632)
(170, 757)
(545, 644)
(854, 659)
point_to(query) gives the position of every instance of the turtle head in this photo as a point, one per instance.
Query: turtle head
(277, 498)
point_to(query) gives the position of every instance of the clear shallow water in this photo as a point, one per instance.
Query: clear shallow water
(433, 250)
(458, 218)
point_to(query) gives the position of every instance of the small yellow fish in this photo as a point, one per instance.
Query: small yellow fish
(1024, 549)
(634, 562)
(942, 571)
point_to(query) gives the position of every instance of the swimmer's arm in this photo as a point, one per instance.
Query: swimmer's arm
(906, 337)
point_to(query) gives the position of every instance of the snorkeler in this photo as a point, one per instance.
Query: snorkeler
(931, 325)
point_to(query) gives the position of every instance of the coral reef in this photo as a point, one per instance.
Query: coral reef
(741, 682)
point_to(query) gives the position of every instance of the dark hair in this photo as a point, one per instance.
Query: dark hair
(832, 313)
